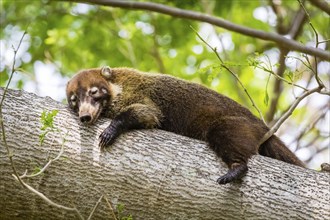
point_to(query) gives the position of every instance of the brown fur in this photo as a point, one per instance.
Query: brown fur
(143, 100)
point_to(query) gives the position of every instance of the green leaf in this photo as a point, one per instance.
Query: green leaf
(120, 208)
(47, 122)
(47, 119)
(266, 98)
(209, 70)
(289, 74)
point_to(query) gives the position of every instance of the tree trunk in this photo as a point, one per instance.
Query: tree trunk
(155, 174)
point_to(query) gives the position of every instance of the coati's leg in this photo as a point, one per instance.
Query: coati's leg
(134, 116)
(233, 140)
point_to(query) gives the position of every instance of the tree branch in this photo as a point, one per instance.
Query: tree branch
(321, 4)
(188, 14)
(155, 174)
(288, 113)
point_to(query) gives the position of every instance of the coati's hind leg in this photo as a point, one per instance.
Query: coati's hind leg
(233, 140)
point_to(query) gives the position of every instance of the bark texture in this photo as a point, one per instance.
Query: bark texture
(155, 174)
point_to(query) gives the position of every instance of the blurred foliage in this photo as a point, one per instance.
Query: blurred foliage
(74, 36)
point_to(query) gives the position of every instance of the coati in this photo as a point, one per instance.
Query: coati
(137, 100)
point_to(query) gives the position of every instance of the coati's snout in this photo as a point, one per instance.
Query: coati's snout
(89, 108)
(88, 93)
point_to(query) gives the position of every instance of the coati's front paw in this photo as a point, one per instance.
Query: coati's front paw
(107, 137)
(236, 172)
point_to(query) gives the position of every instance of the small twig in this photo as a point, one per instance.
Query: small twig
(324, 41)
(48, 163)
(110, 207)
(9, 153)
(45, 198)
(297, 58)
(287, 114)
(95, 207)
(316, 45)
(230, 71)
(13, 70)
(281, 78)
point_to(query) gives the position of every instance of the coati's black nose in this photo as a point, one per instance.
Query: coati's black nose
(85, 118)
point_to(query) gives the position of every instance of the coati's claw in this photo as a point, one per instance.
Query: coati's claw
(227, 178)
(236, 172)
(107, 137)
(223, 179)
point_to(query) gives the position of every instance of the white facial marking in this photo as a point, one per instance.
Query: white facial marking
(116, 89)
(104, 91)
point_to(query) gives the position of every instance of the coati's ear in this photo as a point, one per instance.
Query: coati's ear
(106, 72)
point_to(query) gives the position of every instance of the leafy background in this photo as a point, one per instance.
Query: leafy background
(64, 37)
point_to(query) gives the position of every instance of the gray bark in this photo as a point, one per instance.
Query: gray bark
(155, 174)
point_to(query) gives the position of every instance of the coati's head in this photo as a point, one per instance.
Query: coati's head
(89, 92)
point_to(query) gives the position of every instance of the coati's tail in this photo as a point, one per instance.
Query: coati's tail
(276, 149)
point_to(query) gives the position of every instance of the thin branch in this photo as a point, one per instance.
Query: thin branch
(110, 207)
(281, 78)
(9, 153)
(324, 41)
(188, 14)
(316, 46)
(95, 207)
(235, 75)
(13, 70)
(288, 113)
(48, 163)
(46, 199)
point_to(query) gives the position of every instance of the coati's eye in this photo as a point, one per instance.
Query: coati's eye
(94, 91)
(73, 100)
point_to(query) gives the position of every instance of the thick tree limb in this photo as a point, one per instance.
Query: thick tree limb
(321, 4)
(181, 13)
(155, 174)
